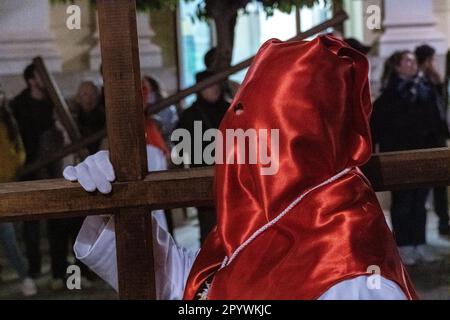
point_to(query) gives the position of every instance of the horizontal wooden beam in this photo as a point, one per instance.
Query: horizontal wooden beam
(54, 198)
(409, 169)
(193, 187)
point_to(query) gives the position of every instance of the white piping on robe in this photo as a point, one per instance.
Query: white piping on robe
(227, 261)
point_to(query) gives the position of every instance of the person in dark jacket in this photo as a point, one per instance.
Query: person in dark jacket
(230, 87)
(426, 59)
(405, 118)
(208, 110)
(34, 113)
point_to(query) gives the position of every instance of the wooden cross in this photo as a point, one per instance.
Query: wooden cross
(136, 191)
(125, 126)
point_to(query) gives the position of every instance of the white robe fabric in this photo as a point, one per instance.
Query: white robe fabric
(96, 247)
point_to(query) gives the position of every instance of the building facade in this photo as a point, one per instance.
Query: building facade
(172, 45)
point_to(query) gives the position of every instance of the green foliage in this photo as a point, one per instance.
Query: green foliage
(287, 6)
(143, 5)
(269, 5)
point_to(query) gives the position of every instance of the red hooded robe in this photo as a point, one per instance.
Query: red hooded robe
(317, 94)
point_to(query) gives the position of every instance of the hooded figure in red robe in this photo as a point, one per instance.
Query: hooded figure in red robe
(313, 229)
(317, 221)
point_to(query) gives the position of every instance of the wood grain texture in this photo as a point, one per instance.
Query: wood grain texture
(55, 198)
(122, 80)
(409, 169)
(125, 127)
(191, 187)
(135, 249)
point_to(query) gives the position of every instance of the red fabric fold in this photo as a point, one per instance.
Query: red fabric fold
(317, 94)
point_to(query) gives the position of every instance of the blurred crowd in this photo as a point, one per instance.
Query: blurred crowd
(411, 113)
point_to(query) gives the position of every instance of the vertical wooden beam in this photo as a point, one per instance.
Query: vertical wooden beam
(123, 97)
(125, 125)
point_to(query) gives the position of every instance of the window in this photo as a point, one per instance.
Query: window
(254, 28)
(195, 38)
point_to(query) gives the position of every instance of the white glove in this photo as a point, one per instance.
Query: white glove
(95, 172)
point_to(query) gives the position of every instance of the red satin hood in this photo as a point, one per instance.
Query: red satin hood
(317, 94)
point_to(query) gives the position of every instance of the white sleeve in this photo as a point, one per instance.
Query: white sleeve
(95, 246)
(359, 289)
(156, 161)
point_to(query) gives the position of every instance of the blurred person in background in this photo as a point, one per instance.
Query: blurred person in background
(209, 109)
(158, 150)
(88, 112)
(230, 87)
(166, 118)
(12, 157)
(427, 70)
(35, 116)
(404, 118)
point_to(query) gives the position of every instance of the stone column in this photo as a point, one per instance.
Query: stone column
(442, 12)
(24, 34)
(149, 53)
